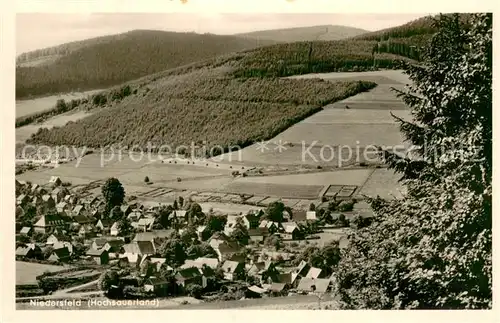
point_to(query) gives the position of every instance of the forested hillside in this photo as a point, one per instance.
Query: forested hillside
(108, 61)
(288, 35)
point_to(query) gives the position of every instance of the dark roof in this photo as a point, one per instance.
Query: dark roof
(61, 253)
(116, 243)
(81, 219)
(106, 222)
(231, 266)
(302, 266)
(140, 247)
(156, 281)
(50, 219)
(258, 232)
(320, 285)
(188, 273)
(100, 242)
(150, 236)
(94, 252)
(22, 251)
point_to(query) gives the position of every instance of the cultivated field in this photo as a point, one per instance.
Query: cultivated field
(337, 177)
(25, 132)
(367, 122)
(26, 272)
(26, 107)
(382, 182)
(276, 190)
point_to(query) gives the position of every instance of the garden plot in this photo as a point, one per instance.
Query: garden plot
(338, 177)
(269, 200)
(275, 190)
(255, 200)
(304, 204)
(382, 182)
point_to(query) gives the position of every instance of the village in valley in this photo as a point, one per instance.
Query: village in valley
(321, 167)
(111, 244)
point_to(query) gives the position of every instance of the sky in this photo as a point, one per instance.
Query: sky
(40, 30)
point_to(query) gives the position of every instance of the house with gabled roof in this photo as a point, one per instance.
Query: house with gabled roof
(58, 194)
(250, 220)
(258, 234)
(157, 263)
(203, 232)
(52, 239)
(291, 231)
(48, 201)
(151, 236)
(26, 231)
(272, 227)
(233, 270)
(312, 285)
(37, 200)
(291, 279)
(114, 245)
(104, 224)
(114, 231)
(87, 230)
(315, 273)
(98, 243)
(311, 215)
(303, 268)
(34, 187)
(200, 262)
(48, 222)
(64, 244)
(180, 214)
(22, 200)
(81, 220)
(59, 255)
(62, 207)
(78, 210)
(90, 201)
(188, 276)
(134, 216)
(29, 250)
(156, 285)
(55, 180)
(145, 224)
(101, 256)
(126, 210)
(135, 250)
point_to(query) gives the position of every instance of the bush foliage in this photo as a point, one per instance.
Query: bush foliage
(432, 248)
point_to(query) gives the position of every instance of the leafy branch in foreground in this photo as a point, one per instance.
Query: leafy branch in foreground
(432, 247)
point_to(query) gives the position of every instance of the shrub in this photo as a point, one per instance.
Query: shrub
(346, 206)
